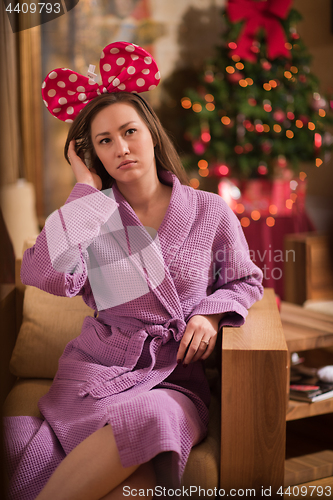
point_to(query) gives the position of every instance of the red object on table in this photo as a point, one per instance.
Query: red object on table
(268, 209)
(267, 245)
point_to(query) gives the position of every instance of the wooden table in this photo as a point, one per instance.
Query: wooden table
(306, 330)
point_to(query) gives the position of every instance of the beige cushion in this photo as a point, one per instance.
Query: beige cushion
(49, 323)
(203, 465)
(24, 396)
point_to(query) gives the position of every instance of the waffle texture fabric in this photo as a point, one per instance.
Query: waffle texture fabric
(122, 370)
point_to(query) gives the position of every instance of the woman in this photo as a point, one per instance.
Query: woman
(164, 267)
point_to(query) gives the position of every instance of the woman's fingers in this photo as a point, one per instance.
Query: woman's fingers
(200, 348)
(198, 341)
(210, 347)
(72, 153)
(185, 343)
(80, 170)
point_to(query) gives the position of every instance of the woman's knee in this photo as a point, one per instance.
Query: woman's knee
(143, 478)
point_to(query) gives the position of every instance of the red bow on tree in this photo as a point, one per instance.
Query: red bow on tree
(260, 14)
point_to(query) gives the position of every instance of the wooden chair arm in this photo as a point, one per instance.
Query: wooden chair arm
(253, 399)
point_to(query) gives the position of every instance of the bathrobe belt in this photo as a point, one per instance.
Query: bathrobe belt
(105, 381)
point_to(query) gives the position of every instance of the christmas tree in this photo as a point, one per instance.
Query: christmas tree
(257, 109)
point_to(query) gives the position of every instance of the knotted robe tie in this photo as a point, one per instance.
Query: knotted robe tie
(115, 379)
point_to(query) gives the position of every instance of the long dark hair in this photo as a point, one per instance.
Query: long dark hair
(165, 153)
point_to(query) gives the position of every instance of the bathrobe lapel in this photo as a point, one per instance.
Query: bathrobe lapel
(179, 217)
(134, 241)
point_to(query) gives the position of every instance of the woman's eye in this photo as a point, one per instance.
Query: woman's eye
(105, 141)
(130, 131)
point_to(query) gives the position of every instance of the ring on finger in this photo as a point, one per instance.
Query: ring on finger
(206, 342)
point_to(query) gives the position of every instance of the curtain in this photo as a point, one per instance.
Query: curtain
(30, 79)
(21, 142)
(10, 156)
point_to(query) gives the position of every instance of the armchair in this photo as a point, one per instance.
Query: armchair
(245, 446)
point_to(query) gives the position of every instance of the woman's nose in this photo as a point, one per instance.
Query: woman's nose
(122, 146)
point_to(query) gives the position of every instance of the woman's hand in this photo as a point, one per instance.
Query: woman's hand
(81, 171)
(199, 339)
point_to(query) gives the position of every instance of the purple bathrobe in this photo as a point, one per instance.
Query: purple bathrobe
(144, 287)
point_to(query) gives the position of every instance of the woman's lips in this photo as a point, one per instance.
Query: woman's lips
(126, 164)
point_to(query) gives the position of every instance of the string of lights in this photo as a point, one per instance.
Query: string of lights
(257, 118)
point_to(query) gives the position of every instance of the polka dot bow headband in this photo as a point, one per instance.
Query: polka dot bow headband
(123, 67)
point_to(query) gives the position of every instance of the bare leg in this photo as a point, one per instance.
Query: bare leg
(142, 479)
(90, 471)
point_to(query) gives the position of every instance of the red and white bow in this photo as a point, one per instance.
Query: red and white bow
(123, 67)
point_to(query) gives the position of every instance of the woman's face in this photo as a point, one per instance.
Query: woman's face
(123, 143)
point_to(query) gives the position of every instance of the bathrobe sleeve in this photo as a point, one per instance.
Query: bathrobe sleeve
(236, 280)
(56, 263)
